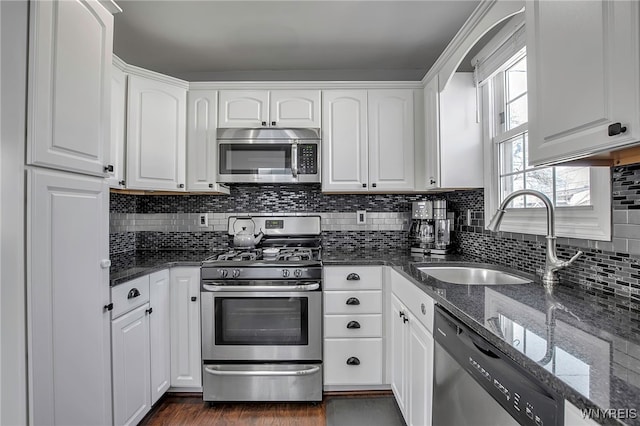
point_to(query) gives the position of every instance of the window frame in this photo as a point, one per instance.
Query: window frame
(581, 222)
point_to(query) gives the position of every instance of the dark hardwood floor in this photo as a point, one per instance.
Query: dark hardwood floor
(180, 409)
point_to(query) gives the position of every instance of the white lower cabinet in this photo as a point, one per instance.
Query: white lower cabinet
(353, 342)
(186, 358)
(411, 354)
(160, 333)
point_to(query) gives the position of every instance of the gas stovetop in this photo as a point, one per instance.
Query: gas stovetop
(269, 254)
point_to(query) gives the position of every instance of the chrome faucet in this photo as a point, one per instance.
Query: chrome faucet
(552, 263)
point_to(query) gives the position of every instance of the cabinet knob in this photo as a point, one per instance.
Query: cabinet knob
(121, 183)
(105, 263)
(364, 185)
(210, 185)
(149, 311)
(374, 185)
(353, 361)
(181, 185)
(616, 128)
(353, 277)
(353, 301)
(108, 168)
(108, 307)
(353, 324)
(401, 314)
(133, 293)
(432, 181)
(194, 298)
(405, 319)
(264, 123)
(273, 123)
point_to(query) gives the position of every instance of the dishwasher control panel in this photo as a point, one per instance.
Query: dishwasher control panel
(525, 398)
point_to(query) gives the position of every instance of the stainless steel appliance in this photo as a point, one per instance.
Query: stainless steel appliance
(269, 155)
(261, 315)
(441, 224)
(421, 233)
(476, 384)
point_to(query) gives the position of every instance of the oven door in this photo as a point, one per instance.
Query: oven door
(268, 161)
(261, 326)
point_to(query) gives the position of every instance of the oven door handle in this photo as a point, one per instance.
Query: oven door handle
(274, 288)
(219, 371)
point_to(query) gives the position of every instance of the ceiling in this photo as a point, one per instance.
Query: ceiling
(287, 40)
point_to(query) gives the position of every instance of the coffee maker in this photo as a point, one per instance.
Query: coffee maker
(421, 233)
(442, 228)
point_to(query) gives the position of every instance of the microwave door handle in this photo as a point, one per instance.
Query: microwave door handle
(294, 159)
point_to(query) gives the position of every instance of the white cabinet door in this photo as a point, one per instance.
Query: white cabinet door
(398, 359)
(186, 358)
(454, 156)
(294, 108)
(130, 347)
(420, 378)
(69, 85)
(202, 156)
(243, 108)
(68, 290)
(582, 77)
(156, 133)
(118, 128)
(345, 155)
(160, 333)
(391, 140)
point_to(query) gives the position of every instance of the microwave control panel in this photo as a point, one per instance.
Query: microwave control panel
(308, 159)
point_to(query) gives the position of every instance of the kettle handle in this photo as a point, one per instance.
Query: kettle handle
(244, 218)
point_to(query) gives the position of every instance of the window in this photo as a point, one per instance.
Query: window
(581, 195)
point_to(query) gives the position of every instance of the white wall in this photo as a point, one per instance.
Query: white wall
(13, 78)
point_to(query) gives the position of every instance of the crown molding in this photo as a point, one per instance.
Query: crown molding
(142, 72)
(111, 6)
(484, 17)
(310, 85)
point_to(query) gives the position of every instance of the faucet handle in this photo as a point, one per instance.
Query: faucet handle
(573, 259)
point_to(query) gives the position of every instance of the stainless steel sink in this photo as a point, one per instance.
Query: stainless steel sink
(471, 275)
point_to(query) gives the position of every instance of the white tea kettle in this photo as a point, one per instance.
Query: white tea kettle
(245, 238)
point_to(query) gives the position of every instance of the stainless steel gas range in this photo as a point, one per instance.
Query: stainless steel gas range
(262, 313)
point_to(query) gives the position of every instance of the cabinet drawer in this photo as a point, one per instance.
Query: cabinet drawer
(129, 295)
(352, 278)
(416, 300)
(368, 353)
(353, 325)
(353, 302)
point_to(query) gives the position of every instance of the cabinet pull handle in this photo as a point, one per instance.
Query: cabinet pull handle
(353, 301)
(194, 298)
(353, 324)
(134, 292)
(108, 307)
(401, 314)
(149, 311)
(616, 128)
(374, 185)
(405, 319)
(353, 277)
(364, 185)
(264, 123)
(353, 361)
(108, 168)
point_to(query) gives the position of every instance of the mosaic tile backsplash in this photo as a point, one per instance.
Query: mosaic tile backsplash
(166, 222)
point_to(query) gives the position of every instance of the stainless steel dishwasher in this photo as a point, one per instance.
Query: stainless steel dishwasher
(476, 384)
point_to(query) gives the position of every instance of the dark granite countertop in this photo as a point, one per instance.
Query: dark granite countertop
(596, 351)
(594, 360)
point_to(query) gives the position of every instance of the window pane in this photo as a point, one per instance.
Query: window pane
(512, 155)
(509, 184)
(516, 78)
(540, 180)
(517, 112)
(572, 186)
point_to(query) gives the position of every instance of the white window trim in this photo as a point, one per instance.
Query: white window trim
(583, 222)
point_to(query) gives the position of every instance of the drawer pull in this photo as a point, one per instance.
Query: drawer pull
(353, 324)
(353, 277)
(353, 301)
(353, 361)
(194, 298)
(134, 292)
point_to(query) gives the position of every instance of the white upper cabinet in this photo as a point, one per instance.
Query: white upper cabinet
(453, 154)
(391, 139)
(69, 85)
(368, 140)
(156, 133)
(275, 108)
(345, 158)
(202, 156)
(115, 172)
(294, 108)
(583, 67)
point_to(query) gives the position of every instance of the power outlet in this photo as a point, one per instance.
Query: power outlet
(203, 220)
(361, 217)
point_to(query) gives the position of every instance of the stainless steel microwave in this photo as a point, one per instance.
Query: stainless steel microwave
(268, 155)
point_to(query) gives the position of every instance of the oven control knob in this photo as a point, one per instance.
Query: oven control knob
(236, 273)
(297, 273)
(223, 273)
(286, 273)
